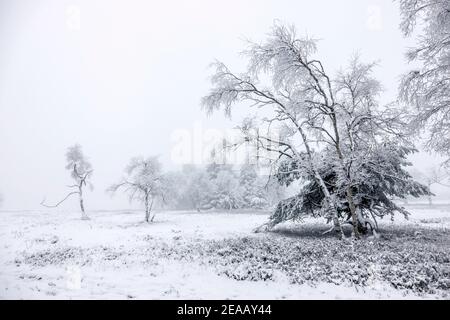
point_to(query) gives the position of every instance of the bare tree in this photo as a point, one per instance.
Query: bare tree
(427, 88)
(144, 181)
(80, 171)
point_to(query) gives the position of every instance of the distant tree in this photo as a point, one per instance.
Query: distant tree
(253, 194)
(225, 192)
(80, 171)
(427, 88)
(215, 166)
(197, 190)
(217, 186)
(222, 189)
(144, 182)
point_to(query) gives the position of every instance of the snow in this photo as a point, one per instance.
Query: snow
(55, 255)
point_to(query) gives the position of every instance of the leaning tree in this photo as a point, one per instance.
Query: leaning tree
(320, 119)
(144, 182)
(426, 89)
(80, 171)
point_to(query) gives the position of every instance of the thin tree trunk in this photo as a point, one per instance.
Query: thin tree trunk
(150, 210)
(147, 209)
(83, 213)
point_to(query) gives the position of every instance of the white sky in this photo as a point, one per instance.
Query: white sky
(120, 77)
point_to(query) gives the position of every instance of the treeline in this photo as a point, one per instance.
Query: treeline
(222, 186)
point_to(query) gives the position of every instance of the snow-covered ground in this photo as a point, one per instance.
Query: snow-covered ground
(53, 254)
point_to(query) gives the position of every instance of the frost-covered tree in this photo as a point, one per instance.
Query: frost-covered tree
(314, 113)
(80, 171)
(198, 189)
(215, 166)
(144, 182)
(193, 188)
(253, 194)
(427, 88)
(225, 192)
(213, 169)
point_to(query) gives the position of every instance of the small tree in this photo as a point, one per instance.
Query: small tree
(80, 171)
(253, 195)
(144, 181)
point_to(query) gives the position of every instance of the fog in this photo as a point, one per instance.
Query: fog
(123, 77)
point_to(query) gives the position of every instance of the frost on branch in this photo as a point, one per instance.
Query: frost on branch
(426, 90)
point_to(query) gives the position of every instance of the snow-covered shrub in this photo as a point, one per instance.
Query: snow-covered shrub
(81, 172)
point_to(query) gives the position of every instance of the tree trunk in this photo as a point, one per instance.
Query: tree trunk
(150, 210)
(349, 193)
(352, 208)
(147, 209)
(83, 213)
(363, 223)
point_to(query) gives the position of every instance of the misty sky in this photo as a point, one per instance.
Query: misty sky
(123, 77)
